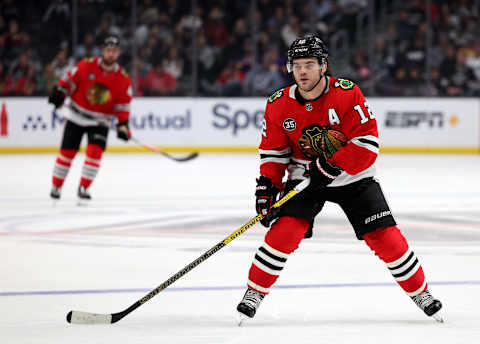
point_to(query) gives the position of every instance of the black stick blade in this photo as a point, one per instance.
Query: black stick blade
(85, 318)
(182, 159)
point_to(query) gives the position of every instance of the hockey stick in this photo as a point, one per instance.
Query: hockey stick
(150, 147)
(77, 317)
(156, 150)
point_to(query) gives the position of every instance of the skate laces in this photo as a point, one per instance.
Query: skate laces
(423, 300)
(252, 298)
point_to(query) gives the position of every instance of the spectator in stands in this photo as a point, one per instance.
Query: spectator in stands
(230, 81)
(87, 48)
(291, 30)
(229, 48)
(406, 30)
(20, 67)
(461, 81)
(62, 63)
(107, 27)
(6, 81)
(159, 82)
(264, 79)
(434, 87)
(57, 19)
(14, 39)
(415, 54)
(174, 62)
(215, 29)
(25, 83)
(416, 86)
(46, 81)
(473, 60)
(360, 72)
(396, 86)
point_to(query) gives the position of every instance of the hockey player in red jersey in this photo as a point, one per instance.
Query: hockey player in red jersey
(297, 120)
(99, 90)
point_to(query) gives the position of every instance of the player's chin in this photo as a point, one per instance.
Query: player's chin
(108, 61)
(305, 85)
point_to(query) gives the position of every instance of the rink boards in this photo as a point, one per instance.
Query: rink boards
(428, 125)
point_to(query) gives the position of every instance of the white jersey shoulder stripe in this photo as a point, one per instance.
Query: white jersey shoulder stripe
(291, 92)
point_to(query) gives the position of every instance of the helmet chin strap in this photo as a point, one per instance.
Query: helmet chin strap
(320, 79)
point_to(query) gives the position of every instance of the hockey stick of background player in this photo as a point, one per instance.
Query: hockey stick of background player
(156, 150)
(76, 317)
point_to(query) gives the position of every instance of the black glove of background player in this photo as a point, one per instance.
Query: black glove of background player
(57, 97)
(322, 172)
(266, 195)
(123, 131)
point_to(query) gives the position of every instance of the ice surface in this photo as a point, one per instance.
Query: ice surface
(150, 217)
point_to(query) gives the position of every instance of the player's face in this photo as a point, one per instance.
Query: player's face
(307, 72)
(110, 55)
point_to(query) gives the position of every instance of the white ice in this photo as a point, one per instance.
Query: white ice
(150, 217)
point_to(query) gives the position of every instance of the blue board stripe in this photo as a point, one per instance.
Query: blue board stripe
(223, 288)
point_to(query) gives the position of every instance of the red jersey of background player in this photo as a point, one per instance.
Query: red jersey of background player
(98, 93)
(341, 107)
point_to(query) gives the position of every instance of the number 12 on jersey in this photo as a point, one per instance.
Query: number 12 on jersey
(363, 118)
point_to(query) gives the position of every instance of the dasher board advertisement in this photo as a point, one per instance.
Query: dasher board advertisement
(235, 124)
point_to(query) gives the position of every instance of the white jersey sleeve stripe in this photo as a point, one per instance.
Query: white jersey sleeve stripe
(369, 142)
(275, 151)
(277, 160)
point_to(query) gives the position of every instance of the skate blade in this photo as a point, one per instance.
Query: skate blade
(82, 202)
(438, 317)
(242, 319)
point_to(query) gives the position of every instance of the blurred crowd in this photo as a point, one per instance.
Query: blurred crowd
(238, 48)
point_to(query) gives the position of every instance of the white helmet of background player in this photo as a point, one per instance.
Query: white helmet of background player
(308, 46)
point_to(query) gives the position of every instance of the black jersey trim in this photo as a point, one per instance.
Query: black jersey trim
(406, 271)
(370, 142)
(267, 264)
(265, 156)
(303, 101)
(410, 256)
(271, 255)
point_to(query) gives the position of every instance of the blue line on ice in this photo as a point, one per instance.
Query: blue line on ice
(222, 288)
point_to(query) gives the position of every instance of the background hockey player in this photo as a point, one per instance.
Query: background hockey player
(302, 130)
(99, 89)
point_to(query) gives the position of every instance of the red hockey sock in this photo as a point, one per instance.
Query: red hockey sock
(62, 166)
(391, 246)
(91, 165)
(282, 239)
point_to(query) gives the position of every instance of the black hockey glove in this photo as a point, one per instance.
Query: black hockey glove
(266, 195)
(322, 172)
(123, 131)
(57, 97)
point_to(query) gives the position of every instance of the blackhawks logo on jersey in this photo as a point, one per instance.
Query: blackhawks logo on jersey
(98, 94)
(344, 84)
(275, 96)
(311, 140)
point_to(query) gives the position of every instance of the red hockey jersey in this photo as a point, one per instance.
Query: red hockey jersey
(341, 107)
(97, 93)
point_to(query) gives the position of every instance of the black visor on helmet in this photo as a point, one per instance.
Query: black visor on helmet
(309, 46)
